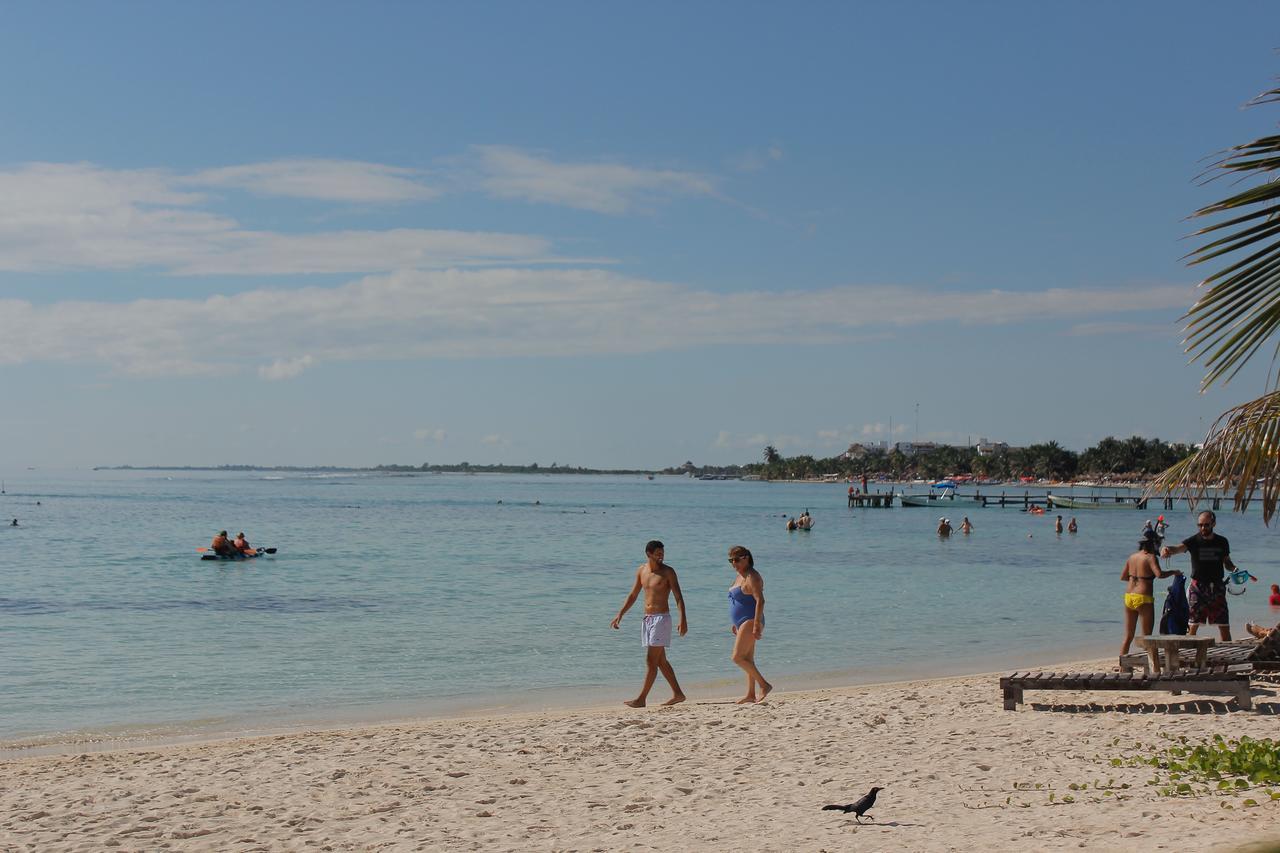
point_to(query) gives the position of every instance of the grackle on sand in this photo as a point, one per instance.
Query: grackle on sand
(859, 808)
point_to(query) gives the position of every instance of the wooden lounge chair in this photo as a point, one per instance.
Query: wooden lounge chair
(1232, 680)
(1263, 656)
(1222, 654)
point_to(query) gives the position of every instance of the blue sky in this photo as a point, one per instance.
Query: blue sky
(605, 235)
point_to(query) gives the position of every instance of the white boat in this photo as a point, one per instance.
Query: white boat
(945, 497)
(1095, 502)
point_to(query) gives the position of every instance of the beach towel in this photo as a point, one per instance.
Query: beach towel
(1173, 619)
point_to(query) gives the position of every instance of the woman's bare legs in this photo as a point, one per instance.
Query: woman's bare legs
(1130, 624)
(744, 655)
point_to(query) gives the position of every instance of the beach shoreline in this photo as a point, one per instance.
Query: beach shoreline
(553, 699)
(958, 771)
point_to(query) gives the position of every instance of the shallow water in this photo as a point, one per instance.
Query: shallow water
(395, 595)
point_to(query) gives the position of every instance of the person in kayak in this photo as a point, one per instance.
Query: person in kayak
(222, 546)
(242, 545)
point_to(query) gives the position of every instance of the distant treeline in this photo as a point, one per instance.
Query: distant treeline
(1133, 458)
(459, 468)
(1119, 459)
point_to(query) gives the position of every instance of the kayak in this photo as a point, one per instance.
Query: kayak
(258, 553)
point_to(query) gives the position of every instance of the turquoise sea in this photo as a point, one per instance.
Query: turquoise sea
(394, 596)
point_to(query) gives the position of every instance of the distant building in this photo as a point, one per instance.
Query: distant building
(986, 447)
(915, 448)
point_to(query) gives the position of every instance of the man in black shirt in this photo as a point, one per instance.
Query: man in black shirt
(1210, 559)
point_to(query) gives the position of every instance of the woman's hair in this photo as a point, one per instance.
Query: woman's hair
(739, 551)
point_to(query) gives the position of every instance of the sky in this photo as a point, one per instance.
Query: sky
(606, 235)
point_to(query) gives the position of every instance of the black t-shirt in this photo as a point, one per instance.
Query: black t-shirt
(1207, 557)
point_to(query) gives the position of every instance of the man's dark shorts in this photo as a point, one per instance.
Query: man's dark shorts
(1207, 602)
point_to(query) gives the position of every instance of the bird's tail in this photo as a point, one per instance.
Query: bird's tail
(834, 808)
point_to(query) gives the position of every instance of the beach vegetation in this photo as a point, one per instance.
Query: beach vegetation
(1112, 460)
(1215, 766)
(1235, 316)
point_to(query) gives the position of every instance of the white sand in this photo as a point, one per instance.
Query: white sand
(701, 776)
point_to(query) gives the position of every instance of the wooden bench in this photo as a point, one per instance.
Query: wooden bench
(1231, 680)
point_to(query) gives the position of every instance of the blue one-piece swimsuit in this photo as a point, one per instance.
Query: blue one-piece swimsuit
(742, 606)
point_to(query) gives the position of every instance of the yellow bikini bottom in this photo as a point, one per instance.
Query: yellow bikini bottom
(1134, 601)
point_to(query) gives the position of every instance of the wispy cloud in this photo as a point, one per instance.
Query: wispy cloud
(416, 314)
(602, 187)
(82, 217)
(428, 434)
(328, 180)
(1144, 330)
(755, 159)
(285, 368)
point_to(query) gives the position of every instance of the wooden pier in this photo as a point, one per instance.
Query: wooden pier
(864, 499)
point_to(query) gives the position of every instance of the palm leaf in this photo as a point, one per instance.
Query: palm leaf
(1240, 458)
(1239, 307)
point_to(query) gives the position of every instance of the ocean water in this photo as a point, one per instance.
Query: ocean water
(397, 595)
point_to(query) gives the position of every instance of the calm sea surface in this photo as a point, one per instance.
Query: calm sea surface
(401, 595)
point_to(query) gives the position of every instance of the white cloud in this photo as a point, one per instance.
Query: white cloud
(79, 216)
(285, 368)
(755, 159)
(427, 434)
(496, 440)
(881, 431)
(416, 314)
(329, 180)
(602, 187)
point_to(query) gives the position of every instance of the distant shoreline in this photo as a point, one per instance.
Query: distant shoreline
(462, 468)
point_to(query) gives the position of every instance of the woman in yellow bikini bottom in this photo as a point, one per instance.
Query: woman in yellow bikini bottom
(1134, 601)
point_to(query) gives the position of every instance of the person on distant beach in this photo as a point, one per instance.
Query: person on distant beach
(746, 620)
(966, 526)
(851, 496)
(1071, 525)
(242, 545)
(944, 527)
(1139, 571)
(1274, 600)
(1057, 525)
(222, 546)
(659, 582)
(1210, 560)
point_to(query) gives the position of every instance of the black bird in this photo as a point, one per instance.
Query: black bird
(859, 808)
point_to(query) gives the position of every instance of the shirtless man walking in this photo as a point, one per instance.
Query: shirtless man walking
(1139, 571)
(659, 582)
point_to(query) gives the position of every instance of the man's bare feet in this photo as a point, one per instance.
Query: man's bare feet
(748, 699)
(764, 691)
(675, 700)
(633, 703)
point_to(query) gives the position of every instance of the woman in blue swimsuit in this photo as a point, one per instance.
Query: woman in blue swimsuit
(746, 617)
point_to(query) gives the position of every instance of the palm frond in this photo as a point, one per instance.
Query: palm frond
(1239, 306)
(1240, 458)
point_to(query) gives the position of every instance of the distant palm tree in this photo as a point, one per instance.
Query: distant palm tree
(771, 455)
(1236, 314)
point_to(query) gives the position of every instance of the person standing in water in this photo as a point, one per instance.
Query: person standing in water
(746, 620)
(966, 526)
(659, 583)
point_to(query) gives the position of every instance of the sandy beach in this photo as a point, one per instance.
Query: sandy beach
(958, 772)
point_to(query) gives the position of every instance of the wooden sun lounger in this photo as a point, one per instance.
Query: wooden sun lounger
(1232, 680)
(1227, 653)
